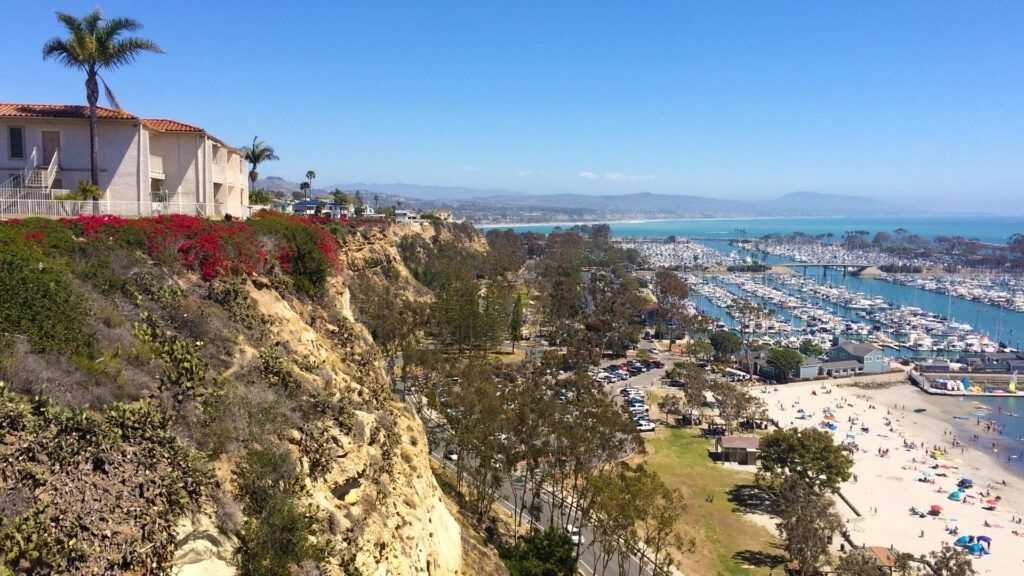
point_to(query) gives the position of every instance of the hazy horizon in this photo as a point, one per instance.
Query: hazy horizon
(910, 102)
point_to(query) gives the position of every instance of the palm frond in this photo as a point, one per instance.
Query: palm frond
(91, 21)
(123, 52)
(114, 27)
(73, 24)
(62, 51)
(111, 99)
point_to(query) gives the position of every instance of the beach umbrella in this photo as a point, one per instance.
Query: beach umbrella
(935, 509)
(992, 502)
(985, 539)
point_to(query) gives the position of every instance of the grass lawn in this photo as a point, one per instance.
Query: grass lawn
(725, 542)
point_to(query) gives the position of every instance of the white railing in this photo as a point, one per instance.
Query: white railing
(51, 170)
(18, 181)
(23, 207)
(30, 164)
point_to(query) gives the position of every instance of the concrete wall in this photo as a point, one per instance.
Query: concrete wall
(180, 152)
(887, 378)
(119, 147)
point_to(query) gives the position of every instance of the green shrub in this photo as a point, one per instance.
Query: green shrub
(231, 293)
(86, 190)
(278, 536)
(277, 540)
(41, 303)
(307, 252)
(264, 473)
(184, 372)
(275, 370)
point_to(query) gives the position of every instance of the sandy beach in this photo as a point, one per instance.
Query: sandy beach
(895, 470)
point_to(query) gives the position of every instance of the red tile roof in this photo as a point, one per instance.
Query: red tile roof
(12, 110)
(165, 125)
(59, 111)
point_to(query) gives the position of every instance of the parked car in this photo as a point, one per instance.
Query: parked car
(645, 426)
(451, 454)
(675, 383)
(628, 390)
(574, 534)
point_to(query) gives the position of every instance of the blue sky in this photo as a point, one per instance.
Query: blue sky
(734, 99)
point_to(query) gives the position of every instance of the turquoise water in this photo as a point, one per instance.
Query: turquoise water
(994, 229)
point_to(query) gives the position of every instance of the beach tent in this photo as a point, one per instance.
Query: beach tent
(832, 426)
(956, 495)
(976, 549)
(964, 541)
(927, 473)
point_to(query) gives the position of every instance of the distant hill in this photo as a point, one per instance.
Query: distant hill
(276, 183)
(424, 192)
(483, 205)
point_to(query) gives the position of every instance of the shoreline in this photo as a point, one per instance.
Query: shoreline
(724, 218)
(896, 468)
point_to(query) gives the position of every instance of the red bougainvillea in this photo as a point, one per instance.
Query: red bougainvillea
(212, 248)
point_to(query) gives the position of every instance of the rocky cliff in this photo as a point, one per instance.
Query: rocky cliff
(249, 379)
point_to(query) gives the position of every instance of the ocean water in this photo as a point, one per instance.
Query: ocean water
(993, 229)
(1005, 443)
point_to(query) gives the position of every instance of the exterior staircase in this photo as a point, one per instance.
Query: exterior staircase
(34, 181)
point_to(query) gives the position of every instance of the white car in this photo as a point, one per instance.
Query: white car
(451, 454)
(574, 534)
(645, 426)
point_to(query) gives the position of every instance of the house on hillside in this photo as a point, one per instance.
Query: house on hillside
(847, 358)
(147, 165)
(406, 216)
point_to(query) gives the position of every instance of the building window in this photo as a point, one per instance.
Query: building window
(16, 142)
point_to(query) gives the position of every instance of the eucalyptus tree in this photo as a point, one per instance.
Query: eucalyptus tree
(94, 43)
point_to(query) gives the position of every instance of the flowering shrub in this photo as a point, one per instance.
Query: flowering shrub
(304, 250)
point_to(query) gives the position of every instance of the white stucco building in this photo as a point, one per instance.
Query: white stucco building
(146, 165)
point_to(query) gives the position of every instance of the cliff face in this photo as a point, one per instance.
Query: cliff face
(303, 374)
(379, 495)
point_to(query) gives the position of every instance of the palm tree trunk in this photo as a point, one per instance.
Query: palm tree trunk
(92, 94)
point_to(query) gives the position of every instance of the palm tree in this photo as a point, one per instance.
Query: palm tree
(310, 174)
(376, 202)
(255, 155)
(95, 43)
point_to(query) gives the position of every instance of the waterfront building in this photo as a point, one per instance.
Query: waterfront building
(869, 359)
